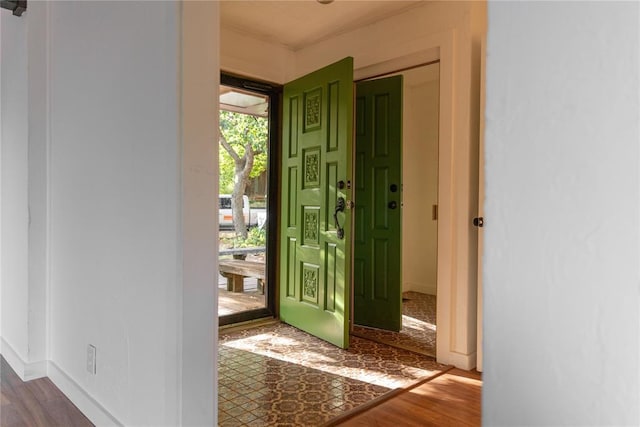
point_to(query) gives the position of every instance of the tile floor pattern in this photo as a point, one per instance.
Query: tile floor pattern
(278, 375)
(418, 325)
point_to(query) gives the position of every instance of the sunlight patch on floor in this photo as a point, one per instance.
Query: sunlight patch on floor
(409, 322)
(276, 374)
(390, 374)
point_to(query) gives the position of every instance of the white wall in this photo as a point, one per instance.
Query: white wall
(25, 192)
(114, 203)
(561, 262)
(38, 198)
(250, 57)
(14, 177)
(420, 179)
(109, 136)
(200, 80)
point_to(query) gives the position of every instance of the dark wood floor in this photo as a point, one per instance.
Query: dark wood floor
(35, 403)
(452, 399)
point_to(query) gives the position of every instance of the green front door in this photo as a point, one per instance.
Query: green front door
(378, 201)
(315, 253)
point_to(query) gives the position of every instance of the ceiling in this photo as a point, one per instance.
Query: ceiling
(243, 101)
(299, 23)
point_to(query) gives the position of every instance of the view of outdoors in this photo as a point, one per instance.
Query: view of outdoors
(243, 157)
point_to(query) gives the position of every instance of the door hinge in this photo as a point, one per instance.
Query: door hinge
(478, 222)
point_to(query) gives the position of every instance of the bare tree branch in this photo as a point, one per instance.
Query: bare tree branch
(229, 148)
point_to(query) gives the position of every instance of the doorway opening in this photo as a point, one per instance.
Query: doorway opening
(253, 375)
(248, 198)
(414, 285)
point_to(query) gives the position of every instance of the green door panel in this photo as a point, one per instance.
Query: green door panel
(315, 267)
(378, 198)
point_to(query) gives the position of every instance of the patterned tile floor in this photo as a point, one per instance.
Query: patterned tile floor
(278, 375)
(418, 325)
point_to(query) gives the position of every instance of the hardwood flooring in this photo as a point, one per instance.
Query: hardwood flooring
(35, 403)
(235, 302)
(452, 399)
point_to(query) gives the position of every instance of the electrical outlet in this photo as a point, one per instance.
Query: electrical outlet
(91, 359)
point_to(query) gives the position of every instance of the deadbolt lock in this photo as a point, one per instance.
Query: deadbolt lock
(342, 185)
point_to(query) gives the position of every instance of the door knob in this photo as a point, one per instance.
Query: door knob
(392, 204)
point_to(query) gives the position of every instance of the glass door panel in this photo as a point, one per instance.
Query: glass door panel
(246, 139)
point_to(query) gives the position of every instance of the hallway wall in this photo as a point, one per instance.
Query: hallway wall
(108, 199)
(14, 179)
(562, 209)
(113, 191)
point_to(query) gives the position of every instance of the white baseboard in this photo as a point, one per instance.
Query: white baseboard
(430, 289)
(462, 361)
(89, 406)
(35, 370)
(25, 370)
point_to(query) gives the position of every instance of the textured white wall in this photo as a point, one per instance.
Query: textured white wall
(109, 137)
(561, 259)
(38, 170)
(14, 177)
(420, 179)
(126, 191)
(200, 80)
(24, 191)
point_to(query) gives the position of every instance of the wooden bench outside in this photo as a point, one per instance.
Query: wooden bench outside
(235, 270)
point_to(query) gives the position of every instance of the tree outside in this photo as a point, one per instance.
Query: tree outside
(243, 156)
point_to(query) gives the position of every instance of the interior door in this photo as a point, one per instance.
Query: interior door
(315, 248)
(378, 198)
